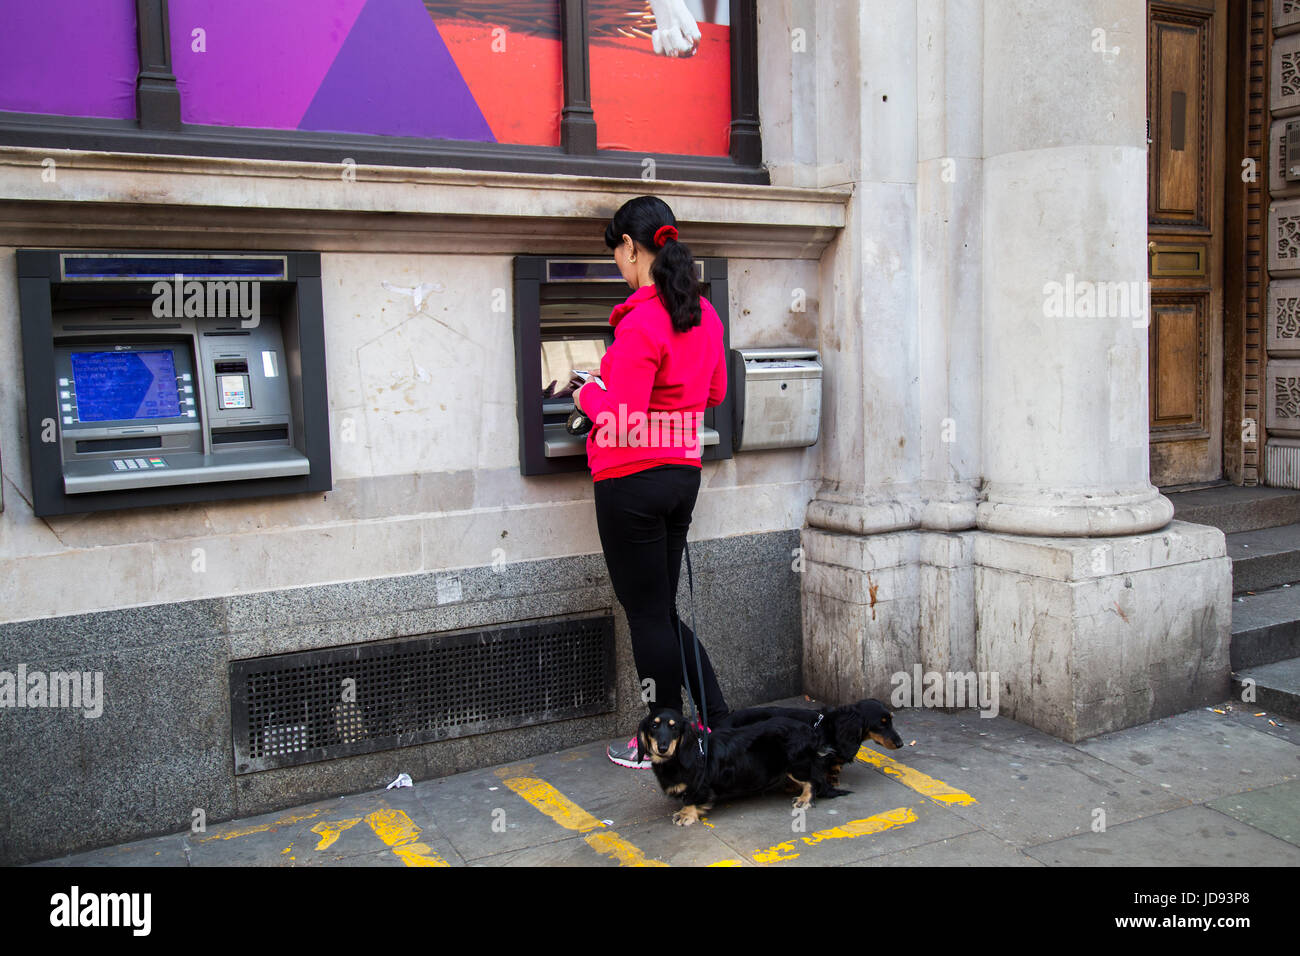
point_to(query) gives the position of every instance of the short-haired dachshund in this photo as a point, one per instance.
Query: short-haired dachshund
(842, 730)
(744, 760)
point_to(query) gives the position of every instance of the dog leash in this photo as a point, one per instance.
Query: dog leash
(701, 711)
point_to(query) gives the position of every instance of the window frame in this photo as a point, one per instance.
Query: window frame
(158, 127)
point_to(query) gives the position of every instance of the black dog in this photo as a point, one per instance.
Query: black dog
(842, 730)
(741, 760)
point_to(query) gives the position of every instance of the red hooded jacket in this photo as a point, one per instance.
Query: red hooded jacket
(658, 382)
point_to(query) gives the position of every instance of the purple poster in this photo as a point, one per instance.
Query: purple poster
(68, 57)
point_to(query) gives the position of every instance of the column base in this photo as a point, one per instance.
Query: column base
(1070, 512)
(1085, 635)
(875, 605)
(1091, 636)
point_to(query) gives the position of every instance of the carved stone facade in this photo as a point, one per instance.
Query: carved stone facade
(1282, 366)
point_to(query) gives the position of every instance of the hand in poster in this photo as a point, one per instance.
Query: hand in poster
(676, 32)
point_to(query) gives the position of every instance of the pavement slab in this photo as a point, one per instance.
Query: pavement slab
(1275, 810)
(1031, 792)
(1193, 836)
(1198, 755)
(1253, 717)
(969, 849)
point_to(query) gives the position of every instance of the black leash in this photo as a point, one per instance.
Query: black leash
(701, 714)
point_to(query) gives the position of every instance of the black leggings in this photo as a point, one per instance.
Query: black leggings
(643, 519)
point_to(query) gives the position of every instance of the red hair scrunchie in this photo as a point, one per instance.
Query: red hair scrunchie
(664, 233)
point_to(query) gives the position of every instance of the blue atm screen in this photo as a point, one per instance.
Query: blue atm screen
(120, 386)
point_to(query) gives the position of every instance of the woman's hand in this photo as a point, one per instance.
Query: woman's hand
(573, 387)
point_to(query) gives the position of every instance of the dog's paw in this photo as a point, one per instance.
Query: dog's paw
(801, 802)
(684, 818)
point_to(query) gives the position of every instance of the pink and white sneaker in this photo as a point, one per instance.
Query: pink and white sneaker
(625, 755)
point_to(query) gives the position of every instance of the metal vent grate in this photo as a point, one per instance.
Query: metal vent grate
(315, 705)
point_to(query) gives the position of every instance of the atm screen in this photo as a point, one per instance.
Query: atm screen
(560, 356)
(122, 386)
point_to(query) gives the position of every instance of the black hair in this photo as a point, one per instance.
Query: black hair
(673, 270)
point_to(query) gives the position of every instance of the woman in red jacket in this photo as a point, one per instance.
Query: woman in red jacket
(664, 368)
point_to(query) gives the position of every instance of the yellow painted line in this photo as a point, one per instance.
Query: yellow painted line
(395, 828)
(854, 828)
(728, 863)
(260, 828)
(612, 845)
(329, 831)
(936, 790)
(572, 817)
(775, 854)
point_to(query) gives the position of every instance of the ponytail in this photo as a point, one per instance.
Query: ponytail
(650, 222)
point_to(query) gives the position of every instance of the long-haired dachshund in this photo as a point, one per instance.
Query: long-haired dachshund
(842, 730)
(741, 760)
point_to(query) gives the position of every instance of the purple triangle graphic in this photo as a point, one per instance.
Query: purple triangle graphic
(263, 62)
(394, 77)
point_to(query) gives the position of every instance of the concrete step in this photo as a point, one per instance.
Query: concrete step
(1277, 687)
(1264, 559)
(1265, 627)
(1233, 509)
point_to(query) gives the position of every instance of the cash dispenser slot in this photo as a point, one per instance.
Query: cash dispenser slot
(201, 384)
(562, 309)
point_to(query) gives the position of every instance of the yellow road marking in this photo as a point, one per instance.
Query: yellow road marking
(728, 863)
(775, 854)
(329, 831)
(936, 790)
(854, 828)
(261, 827)
(395, 828)
(572, 817)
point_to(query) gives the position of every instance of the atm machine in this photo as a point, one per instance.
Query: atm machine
(167, 377)
(562, 308)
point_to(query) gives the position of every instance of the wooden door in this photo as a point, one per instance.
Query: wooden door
(1186, 53)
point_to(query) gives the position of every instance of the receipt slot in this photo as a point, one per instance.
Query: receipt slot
(778, 398)
(562, 309)
(159, 378)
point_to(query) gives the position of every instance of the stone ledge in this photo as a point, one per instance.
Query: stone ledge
(211, 202)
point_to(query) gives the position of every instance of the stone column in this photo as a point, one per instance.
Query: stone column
(1065, 426)
(860, 584)
(889, 544)
(1110, 615)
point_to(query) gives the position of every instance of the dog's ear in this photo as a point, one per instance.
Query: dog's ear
(642, 745)
(850, 731)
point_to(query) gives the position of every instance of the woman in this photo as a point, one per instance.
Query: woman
(664, 368)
